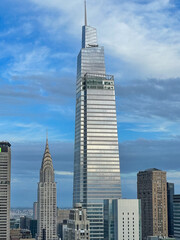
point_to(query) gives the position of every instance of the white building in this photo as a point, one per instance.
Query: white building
(5, 177)
(122, 219)
(47, 207)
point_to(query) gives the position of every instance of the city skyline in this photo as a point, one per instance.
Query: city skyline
(38, 82)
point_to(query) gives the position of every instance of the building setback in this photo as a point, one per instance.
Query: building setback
(152, 190)
(5, 179)
(96, 151)
(47, 207)
(122, 219)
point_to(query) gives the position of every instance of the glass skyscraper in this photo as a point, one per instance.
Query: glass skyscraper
(96, 156)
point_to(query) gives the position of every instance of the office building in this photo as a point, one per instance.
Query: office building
(17, 234)
(33, 227)
(122, 219)
(62, 229)
(5, 179)
(78, 227)
(25, 222)
(35, 210)
(14, 223)
(170, 194)
(176, 211)
(152, 190)
(62, 217)
(96, 156)
(47, 207)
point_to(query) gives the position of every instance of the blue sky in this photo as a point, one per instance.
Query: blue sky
(40, 41)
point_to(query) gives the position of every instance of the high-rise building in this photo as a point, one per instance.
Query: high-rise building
(33, 227)
(35, 210)
(152, 190)
(47, 207)
(77, 224)
(170, 194)
(96, 156)
(122, 219)
(176, 210)
(5, 179)
(62, 217)
(25, 222)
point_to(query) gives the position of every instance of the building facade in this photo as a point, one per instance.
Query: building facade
(35, 210)
(96, 152)
(47, 206)
(152, 190)
(5, 180)
(33, 228)
(170, 195)
(176, 211)
(78, 227)
(62, 217)
(25, 222)
(122, 219)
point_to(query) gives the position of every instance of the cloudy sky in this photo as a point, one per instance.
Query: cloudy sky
(39, 42)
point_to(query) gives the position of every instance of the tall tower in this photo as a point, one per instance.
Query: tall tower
(5, 179)
(47, 207)
(96, 152)
(152, 190)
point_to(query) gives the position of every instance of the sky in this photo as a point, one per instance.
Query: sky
(40, 41)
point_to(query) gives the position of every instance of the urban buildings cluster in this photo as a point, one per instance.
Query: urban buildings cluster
(98, 212)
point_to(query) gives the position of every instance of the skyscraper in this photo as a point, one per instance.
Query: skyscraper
(5, 179)
(35, 210)
(47, 207)
(96, 156)
(152, 190)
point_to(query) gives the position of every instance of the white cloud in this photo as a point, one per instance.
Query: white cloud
(63, 173)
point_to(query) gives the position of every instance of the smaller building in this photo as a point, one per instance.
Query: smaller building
(25, 222)
(33, 227)
(77, 224)
(170, 194)
(122, 219)
(62, 217)
(14, 223)
(17, 234)
(35, 210)
(176, 211)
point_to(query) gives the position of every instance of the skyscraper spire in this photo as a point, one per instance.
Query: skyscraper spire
(46, 136)
(85, 12)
